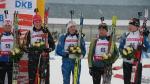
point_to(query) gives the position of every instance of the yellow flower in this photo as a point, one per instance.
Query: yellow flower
(37, 44)
(17, 50)
(109, 54)
(79, 50)
(129, 49)
(124, 52)
(105, 56)
(33, 44)
(74, 51)
(12, 52)
(42, 43)
(71, 48)
(129, 52)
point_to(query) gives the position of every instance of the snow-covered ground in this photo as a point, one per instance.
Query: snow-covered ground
(56, 75)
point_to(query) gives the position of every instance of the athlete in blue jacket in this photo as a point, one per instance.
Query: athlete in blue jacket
(68, 59)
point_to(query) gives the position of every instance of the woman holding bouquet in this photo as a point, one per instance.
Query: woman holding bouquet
(99, 58)
(130, 42)
(40, 43)
(67, 48)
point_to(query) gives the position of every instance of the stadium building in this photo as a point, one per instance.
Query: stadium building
(92, 10)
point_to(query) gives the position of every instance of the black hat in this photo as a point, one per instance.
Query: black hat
(135, 22)
(103, 26)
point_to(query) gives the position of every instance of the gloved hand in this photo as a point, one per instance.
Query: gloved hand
(26, 50)
(66, 55)
(81, 57)
(83, 35)
(91, 71)
(44, 54)
(47, 50)
(146, 33)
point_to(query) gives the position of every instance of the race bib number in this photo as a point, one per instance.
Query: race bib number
(103, 49)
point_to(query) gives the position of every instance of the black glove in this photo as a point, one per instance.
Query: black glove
(66, 55)
(83, 35)
(91, 71)
(48, 50)
(146, 33)
(109, 64)
(45, 30)
(26, 50)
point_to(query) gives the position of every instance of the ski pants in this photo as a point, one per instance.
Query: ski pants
(127, 69)
(106, 73)
(32, 68)
(68, 68)
(6, 67)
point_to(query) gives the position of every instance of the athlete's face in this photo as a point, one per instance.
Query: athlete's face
(102, 32)
(132, 28)
(72, 29)
(38, 24)
(7, 28)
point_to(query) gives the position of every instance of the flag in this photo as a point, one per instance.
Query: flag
(41, 8)
(2, 7)
(2, 4)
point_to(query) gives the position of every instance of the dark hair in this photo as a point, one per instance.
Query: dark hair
(135, 22)
(34, 29)
(103, 26)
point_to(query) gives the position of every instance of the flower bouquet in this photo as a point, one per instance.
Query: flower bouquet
(37, 47)
(128, 53)
(108, 58)
(16, 54)
(74, 49)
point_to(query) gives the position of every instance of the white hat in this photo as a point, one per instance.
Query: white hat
(7, 22)
(71, 23)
